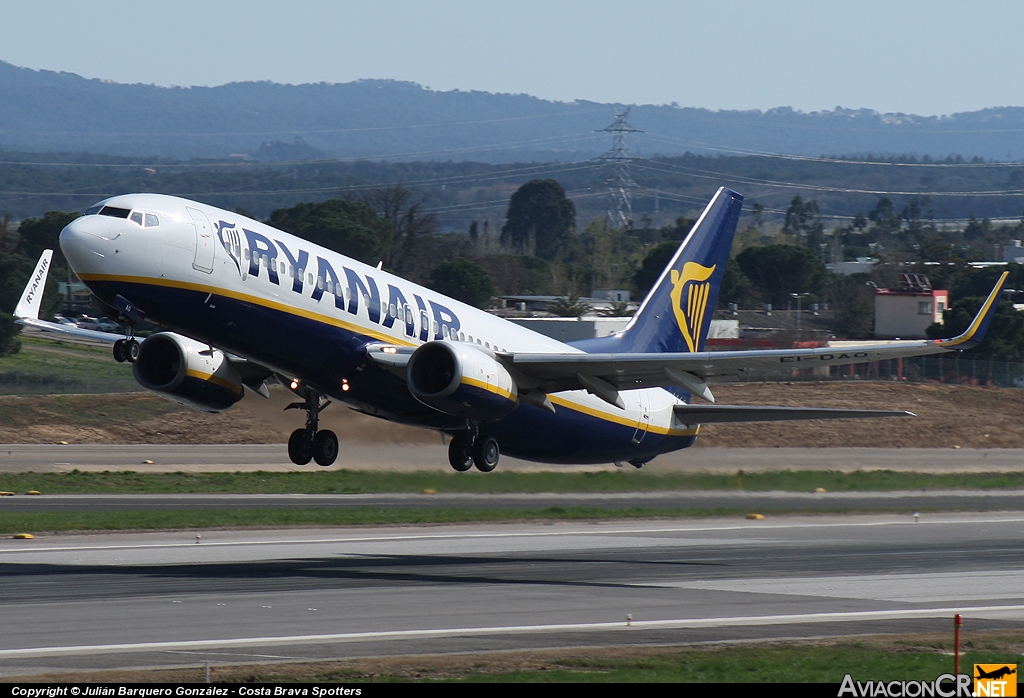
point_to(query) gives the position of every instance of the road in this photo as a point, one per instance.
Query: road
(161, 599)
(273, 457)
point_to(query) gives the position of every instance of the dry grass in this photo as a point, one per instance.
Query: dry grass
(948, 416)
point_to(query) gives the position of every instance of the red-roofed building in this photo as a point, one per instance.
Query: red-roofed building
(907, 311)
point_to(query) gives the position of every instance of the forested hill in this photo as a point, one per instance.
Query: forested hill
(383, 119)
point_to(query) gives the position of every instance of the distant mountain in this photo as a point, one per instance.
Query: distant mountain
(384, 119)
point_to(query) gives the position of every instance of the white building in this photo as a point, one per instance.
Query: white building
(907, 311)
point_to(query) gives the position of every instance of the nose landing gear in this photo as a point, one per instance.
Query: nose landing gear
(311, 443)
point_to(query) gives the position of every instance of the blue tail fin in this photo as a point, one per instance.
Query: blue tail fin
(676, 314)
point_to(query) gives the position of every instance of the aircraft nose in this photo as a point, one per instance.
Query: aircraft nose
(84, 240)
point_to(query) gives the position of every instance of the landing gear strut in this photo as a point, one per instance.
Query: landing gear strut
(469, 448)
(310, 443)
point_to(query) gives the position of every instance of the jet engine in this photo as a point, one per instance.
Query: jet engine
(188, 372)
(462, 380)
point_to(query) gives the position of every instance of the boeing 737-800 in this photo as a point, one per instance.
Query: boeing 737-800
(244, 304)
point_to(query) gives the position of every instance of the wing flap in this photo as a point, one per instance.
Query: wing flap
(718, 414)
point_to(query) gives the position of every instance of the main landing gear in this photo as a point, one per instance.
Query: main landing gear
(310, 443)
(127, 350)
(469, 448)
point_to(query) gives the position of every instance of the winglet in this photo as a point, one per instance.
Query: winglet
(28, 306)
(975, 333)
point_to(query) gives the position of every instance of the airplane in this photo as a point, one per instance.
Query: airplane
(995, 673)
(242, 305)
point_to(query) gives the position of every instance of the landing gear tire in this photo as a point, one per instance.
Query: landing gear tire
(460, 453)
(325, 447)
(486, 454)
(300, 447)
(120, 351)
(132, 350)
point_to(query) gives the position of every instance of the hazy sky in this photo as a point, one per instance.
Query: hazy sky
(918, 56)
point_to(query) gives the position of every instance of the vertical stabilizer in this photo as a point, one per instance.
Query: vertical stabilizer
(28, 306)
(676, 314)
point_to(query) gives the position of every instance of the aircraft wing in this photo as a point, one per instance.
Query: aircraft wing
(27, 311)
(254, 375)
(605, 374)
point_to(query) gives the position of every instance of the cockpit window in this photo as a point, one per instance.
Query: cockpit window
(152, 221)
(115, 212)
(136, 218)
(93, 210)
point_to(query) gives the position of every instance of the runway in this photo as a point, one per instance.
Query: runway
(900, 500)
(160, 599)
(402, 456)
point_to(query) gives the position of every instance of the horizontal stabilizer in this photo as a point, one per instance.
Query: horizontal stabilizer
(715, 414)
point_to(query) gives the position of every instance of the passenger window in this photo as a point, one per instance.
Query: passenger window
(152, 221)
(436, 328)
(309, 279)
(136, 218)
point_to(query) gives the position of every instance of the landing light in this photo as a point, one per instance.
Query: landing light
(295, 384)
(344, 385)
(389, 350)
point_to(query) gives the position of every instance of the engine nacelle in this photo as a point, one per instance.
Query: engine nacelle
(188, 372)
(461, 380)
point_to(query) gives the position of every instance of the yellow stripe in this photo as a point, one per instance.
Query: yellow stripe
(586, 409)
(980, 317)
(216, 380)
(483, 385)
(257, 300)
(335, 322)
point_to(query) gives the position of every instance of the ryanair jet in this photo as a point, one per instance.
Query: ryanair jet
(244, 305)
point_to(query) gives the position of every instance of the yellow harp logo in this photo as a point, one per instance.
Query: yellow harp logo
(689, 296)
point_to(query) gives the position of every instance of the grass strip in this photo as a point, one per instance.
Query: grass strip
(64, 521)
(921, 657)
(362, 481)
(741, 665)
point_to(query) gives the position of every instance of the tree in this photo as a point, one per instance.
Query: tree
(735, 284)
(650, 269)
(350, 228)
(569, 306)
(853, 302)
(803, 222)
(38, 234)
(464, 280)
(779, 270)
(409, 225)
(539, 219)
(1004, 340)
